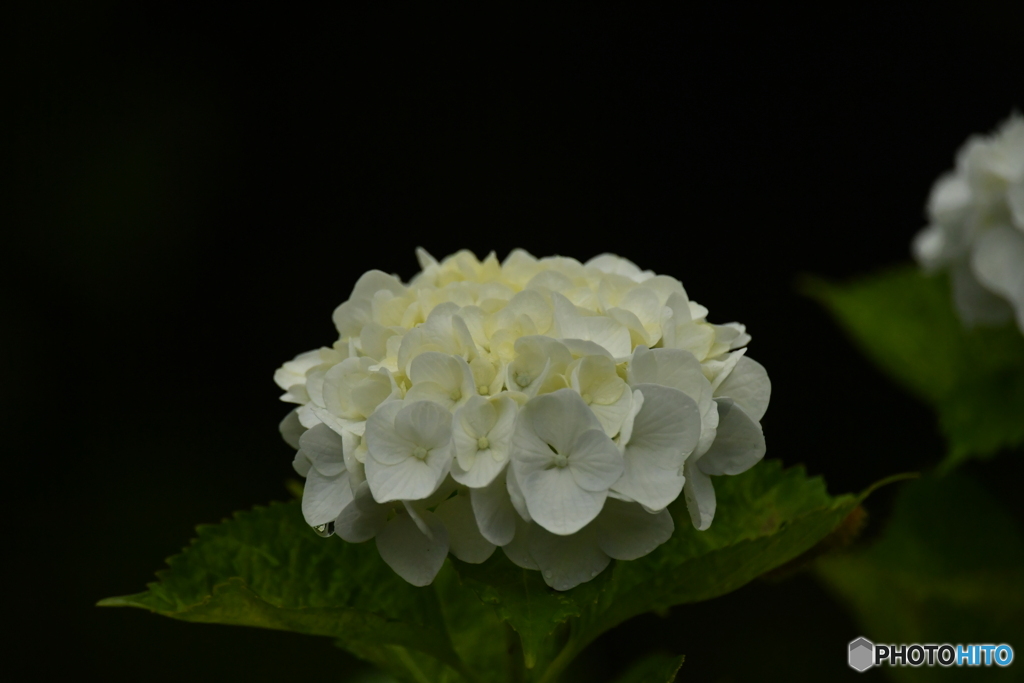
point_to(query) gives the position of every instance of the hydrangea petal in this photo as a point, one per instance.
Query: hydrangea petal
(301, 463)
(354, 450)
(976, 304)
(665, 432)
(383, 442)
(928, 246)
(293, 372)
(362, 518)
(482, 472)
(518, 549)
(323, 498)
(325, 449)
(595, 461)
(1015, 198)
(291, 429)
(559, 418)
(695, 337)
(307, 418)
(516, 496)
(464, 537)
(608, 333)
(646, 483)
(748, 385)
(558, 503)
(477, 417)
(733, 334)
(495, 515)
(601, 330)
(411, 554)
(680, 370)
(411, 479)
(699, 493)
(351, 390)
(424, 424)
(481, 435)
(721, 368)
(612, 415)
(580, 348)
(350, 316)
(451, 373)
(567, 561)
(739, 444)
(625, 531)
(998, 263)
(667, 428)
(614, 264)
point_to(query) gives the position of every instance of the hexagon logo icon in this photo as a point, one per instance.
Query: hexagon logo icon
(862, 654)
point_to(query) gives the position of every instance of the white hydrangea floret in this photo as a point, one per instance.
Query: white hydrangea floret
(563, 461)
(553, 408)
(976, 227)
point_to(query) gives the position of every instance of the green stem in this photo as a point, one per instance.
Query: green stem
(561, 661)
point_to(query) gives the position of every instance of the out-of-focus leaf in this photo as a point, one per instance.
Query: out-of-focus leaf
(905, 322)
(948, 568)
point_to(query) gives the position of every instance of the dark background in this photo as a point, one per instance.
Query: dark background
(193, 193)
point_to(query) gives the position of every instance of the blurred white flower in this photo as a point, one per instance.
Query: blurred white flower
(547, 406)
(976, 228)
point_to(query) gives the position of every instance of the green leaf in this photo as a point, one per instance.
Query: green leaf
(522, 599)
(905, 322)
(947, 568)
(481, 640)
(267, 568)
(656, 668)
(766, 517)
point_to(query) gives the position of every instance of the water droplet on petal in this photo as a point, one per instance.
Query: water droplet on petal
(547, 574)
(593, 574)
(324, 530)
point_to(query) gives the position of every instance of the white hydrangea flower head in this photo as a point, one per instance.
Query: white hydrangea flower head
(549, 407)
(976, 228)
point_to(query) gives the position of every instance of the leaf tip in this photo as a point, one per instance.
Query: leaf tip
(134, 600)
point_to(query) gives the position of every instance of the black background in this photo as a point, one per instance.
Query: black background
(193, 192)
